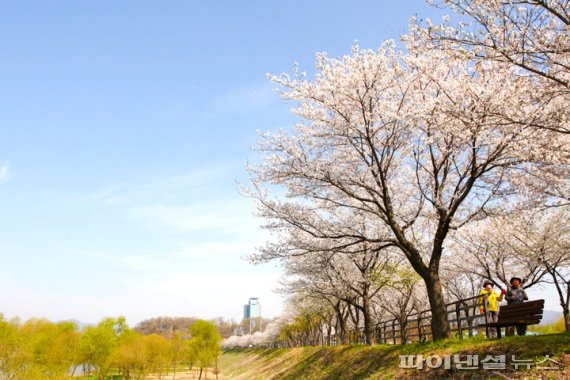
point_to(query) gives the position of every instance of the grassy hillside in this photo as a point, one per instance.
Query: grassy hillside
(382, 362)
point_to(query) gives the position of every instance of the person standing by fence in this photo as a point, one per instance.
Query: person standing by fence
(516, 294)
(492, 308)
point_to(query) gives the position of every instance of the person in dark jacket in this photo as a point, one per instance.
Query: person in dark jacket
(516, 294)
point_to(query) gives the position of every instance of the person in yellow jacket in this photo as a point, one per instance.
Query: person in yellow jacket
(493, 300)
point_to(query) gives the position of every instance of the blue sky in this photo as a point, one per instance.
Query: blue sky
(125, 127)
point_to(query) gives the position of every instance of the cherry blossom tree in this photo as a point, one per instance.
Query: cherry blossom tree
(354, 278)
(333, 256)
(533, 36)
(305, 322)
(545, 238)
(530, 34)
(490, 249)
(404, 296)
(412, 141)
(457, 283)
(324, 299)
(533, 245)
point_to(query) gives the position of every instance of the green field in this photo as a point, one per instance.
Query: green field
(382, 361)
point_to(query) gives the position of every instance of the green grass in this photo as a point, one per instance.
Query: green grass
(382, 361)
(553, 328)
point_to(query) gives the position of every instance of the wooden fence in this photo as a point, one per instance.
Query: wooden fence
(463, 316)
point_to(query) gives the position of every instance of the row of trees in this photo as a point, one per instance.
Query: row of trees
(409, 161)
(40, 349)
(344, 292)
(268, 333)
(170, 326)
(535, 247)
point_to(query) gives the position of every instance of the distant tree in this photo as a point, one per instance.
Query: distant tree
(226, 327)
(13, 355)
(157, 356)
(204, 344)
(53, 347)
(177, 352)
(165, 326)
(128, 357)
(37, 349)
(98, 342)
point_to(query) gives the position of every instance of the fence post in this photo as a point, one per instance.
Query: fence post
(485, 308)
(376, 334)
(458, 318)
(420, 334)
(470, 318)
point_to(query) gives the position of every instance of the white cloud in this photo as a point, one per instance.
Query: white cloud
(213, 249)
(193, 257)
(5, 172)
(251, 97)
(171, 284)
(226, 217)
(200, 272)
(193, 202)
(187, 185)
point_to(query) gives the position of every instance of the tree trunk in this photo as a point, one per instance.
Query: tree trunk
(564, 298)
(341, 331)
(200, 375)
(439, 324)
(367, 319)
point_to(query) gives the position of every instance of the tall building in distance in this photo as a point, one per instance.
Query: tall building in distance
(252, 313)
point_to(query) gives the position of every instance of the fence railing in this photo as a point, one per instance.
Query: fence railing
(463, 316)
